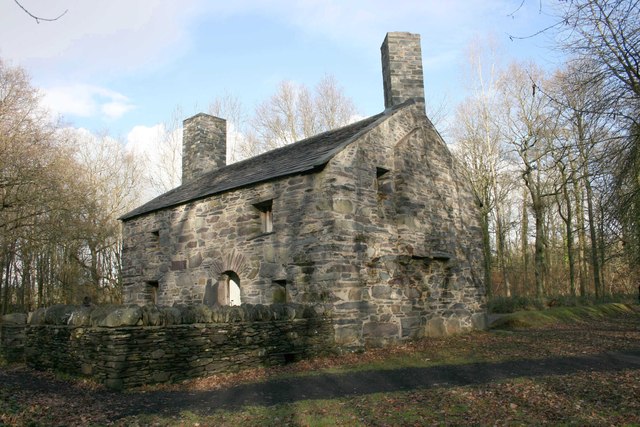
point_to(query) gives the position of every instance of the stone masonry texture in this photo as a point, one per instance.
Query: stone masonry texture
(128, 346)
(402, 69)
(204, 145)
(385, 236)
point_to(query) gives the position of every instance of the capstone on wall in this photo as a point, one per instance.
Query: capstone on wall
(386, 236)
(128, 346)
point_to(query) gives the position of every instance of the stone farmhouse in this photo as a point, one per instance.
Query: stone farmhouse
(371, 224)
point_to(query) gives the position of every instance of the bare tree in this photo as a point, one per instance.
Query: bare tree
(588, 145)
(166, 161)
(606, 33)
(529, 129)
(294, 113)
(239, 144)
(61, 192)
(479, 147)
(110, 177)
(331, 105)
(291, 114)
(36, 183)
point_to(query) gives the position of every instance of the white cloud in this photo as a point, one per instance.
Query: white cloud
(84, 100)
(145, 140)
(69, 101)
(160, 152)
(116, 108)
(107, 36)
(106, 43)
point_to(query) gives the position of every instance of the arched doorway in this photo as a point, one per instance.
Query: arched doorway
(233, 287)
(226, 291)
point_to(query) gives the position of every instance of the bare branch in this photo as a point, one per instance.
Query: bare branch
(38, 18)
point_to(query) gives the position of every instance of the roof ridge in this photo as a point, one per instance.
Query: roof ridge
(298, 157)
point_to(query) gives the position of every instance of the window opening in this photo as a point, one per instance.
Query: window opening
(152, 291)
(384, 185)
(380, 172)
(229, 289)
(266, 215)
(279, 291)
(234, 292)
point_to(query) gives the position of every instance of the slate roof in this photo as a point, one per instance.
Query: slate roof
(300, 157)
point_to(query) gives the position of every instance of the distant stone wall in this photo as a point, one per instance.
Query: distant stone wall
(12, 336)
(128, 346)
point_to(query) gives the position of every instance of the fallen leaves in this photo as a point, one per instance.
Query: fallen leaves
(581, 398)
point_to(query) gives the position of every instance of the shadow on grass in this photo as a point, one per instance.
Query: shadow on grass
(330, 386)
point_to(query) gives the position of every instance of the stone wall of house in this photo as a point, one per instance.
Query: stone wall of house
(386, 237)
(127, 346)
(173, 255)
(407, 240)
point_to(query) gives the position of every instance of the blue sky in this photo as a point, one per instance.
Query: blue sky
(121, 65)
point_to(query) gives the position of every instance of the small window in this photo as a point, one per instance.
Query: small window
(151, 288)
(266, 215)
(384, 185)
(380, 172)
(279, 291)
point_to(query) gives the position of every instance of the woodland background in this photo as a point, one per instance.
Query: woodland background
(553, 159)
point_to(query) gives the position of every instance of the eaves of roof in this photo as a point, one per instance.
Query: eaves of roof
(303, 156)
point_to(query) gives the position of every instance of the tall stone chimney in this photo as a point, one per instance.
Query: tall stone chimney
(402, 69)
(204, 145)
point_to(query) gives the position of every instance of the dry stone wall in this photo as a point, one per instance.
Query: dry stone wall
(12, 336)
(127, 346)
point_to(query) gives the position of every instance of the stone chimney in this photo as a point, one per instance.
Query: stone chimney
(204, 145)
(402, 69)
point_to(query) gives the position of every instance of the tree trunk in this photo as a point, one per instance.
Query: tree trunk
(537, 207)
(601, 247)
(7, 282)
(40, 278)
(539, 258)
(486, 249)
(595, 259)
(582, 238)
(570, 250)
(500, 243)
(525, 242)
(568, 222)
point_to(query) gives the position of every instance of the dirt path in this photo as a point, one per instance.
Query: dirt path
(604, 347)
